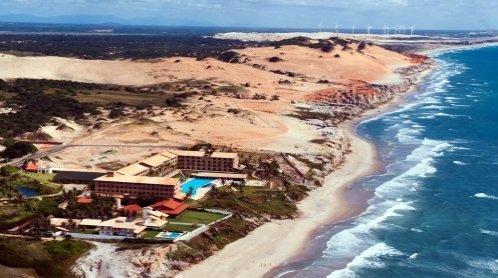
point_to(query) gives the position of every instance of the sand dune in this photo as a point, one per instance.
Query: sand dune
(262, 124)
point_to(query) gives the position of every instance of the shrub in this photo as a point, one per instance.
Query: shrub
(229, 57)
(362, 46)
(18, 149)
(327, 48)
(275, 59)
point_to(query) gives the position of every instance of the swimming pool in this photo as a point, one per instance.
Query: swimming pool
(27, 191)
(191, 185)
(169, 235)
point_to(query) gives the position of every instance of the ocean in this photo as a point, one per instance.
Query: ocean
(433, 210)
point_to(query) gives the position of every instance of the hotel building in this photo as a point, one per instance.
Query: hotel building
(116, 184)
(206, 161)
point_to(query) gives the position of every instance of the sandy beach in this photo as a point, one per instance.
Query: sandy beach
(276, 243)
(273, 243)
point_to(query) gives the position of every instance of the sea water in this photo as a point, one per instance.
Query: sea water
(434, 208)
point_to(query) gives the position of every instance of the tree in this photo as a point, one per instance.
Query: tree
(190, 192)
(18, 149)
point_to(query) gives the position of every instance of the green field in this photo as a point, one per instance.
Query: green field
(12, 215)
(180, 228)
(199, 217)
(104, 97)
(150, 234)
(41, 182)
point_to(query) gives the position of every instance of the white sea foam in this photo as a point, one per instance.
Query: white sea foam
(408, 135)
(413, 256)
(485, 196)
(368, 258)
(431, 117)
(460, 163)
(493, 233)
(416, 230)
(439, 107)
(482, 265)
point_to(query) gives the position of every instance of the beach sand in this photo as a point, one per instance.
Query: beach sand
(279, 242)
(274, 243)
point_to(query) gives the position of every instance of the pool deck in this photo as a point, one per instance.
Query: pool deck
(202, 191)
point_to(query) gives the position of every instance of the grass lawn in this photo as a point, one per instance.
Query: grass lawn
(180, 228)
(28, 179)
(150, 234)
(200, 217)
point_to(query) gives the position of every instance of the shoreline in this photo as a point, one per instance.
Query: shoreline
(350, 129)
(316, 209)
(388, 107)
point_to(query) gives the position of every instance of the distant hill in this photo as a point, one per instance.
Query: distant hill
(102, 20)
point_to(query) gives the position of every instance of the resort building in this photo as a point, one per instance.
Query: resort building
(167, 162)
(118, 185)
(132, 210)
(77, 176)
(160, 165)
(120, 227)
(205, 161)
(135, 169)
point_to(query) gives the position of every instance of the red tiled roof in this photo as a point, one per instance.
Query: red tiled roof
(84, 200)
(132, 208)
(173, 212)
(32, 167)
(169, 204)
(170, 207)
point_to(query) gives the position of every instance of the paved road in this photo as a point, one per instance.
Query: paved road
(38, 155)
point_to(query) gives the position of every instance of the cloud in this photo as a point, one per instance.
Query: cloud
(280, 13)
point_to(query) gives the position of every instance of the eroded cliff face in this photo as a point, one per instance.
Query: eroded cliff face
(327, 109)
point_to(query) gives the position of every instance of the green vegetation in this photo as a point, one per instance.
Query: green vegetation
(99, 208)
(49, 259)
(181, 228)
(199, 217)
(10, 177)
(257, 204)
(160, 43)
(15, 149)
(150, 234)
(35, 108)
(13, 215)
(217, 237)
(35, 103)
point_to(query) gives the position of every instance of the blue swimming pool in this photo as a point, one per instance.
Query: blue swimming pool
(27, 191)
(169, 235)
(192, 185)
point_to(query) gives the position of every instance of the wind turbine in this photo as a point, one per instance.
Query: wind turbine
(386, 29)
(396, 29)
(320, 26)
(401, 29)
(352, 29)
(368, 29)
(412, 29)
(337, 29)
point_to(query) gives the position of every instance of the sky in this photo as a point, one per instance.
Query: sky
(424, 14)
